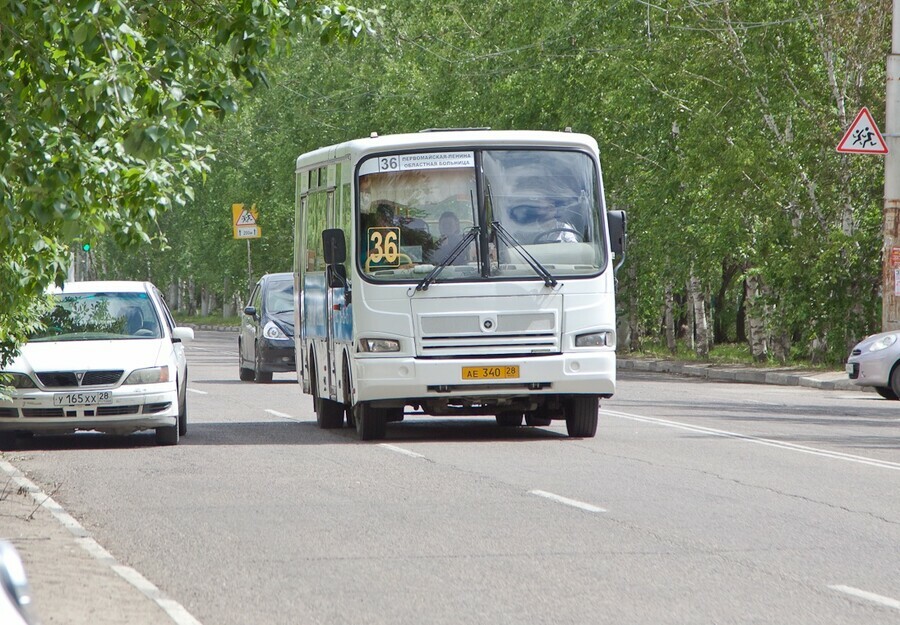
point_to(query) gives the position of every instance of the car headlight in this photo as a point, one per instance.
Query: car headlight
(379, 345)
(595, 339)
(17, 380)
(883, 343)
(151, 375)
(272, 331)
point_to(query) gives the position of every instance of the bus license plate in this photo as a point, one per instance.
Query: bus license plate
(504, 372)
(82, 399)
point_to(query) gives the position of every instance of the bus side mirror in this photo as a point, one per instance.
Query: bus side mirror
(334, 245)
(337, 276)
(617, 222)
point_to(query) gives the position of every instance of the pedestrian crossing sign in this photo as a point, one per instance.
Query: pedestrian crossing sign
(863, 136)
(244, 222)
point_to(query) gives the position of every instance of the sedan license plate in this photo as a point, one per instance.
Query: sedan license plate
(504, 372)
(82, 399)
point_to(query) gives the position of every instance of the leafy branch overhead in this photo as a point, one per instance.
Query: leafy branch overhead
(103, 108)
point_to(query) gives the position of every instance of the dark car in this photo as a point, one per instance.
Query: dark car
(266, 342)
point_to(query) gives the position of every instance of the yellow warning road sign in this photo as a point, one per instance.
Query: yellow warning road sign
(244, 222)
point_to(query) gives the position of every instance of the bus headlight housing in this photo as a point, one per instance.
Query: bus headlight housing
(377, 346)
(595, 339)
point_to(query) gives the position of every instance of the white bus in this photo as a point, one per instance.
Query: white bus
(456, 272)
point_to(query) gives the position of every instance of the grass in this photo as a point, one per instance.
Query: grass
(724, 354)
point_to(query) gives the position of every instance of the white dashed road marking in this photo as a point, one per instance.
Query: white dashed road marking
(400, 450)
(836, 455)
(193, 390)
(565, 500)
(868, 596)
(281, 414)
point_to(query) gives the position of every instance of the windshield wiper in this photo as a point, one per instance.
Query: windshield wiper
(504, 235)
(471, 235)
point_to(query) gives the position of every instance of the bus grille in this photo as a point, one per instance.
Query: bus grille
(511, 333)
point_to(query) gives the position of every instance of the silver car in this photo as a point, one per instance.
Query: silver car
(873, 362)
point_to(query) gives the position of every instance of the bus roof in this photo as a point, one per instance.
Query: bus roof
(464, 138)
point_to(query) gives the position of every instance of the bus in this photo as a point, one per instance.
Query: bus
(459, 272)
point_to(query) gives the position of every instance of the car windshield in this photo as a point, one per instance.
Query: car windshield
(280, 297)
(415, 211)
(99, 316)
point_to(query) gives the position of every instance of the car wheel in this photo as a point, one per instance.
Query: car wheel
(182, 415)
(581, 419)
(167, 435)
(509, 419)
(886, 392)
(243, 373)
(895, 382)
(371, 423)
(260, 376)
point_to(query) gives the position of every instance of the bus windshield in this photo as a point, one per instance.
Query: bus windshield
(416, 209)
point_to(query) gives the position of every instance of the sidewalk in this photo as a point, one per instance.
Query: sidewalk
(76, 582)
(782, 376)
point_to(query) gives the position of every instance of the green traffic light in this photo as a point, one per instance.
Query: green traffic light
(86, 247)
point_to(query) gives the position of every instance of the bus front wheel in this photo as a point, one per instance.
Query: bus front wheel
(581, 416)
(371, 423)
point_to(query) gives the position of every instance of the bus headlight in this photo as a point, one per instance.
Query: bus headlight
(595, 339)
(379, 345)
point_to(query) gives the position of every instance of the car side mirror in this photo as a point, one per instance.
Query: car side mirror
(182, 333)
(334, 246)
(250, 311)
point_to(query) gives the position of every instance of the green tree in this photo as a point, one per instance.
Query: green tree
(104, 103)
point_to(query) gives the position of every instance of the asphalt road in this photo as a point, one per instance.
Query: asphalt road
(698, 502)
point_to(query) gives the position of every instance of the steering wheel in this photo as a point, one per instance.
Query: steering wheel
(547, 235)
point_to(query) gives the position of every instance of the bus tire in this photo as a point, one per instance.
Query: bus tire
(581, 417)
(536, 421)
(330, 414)
(509, 419)
(371, 423)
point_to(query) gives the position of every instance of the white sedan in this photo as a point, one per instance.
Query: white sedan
(108, 358)
(874, 362)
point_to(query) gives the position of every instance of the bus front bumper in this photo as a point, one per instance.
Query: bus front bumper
(588, 373)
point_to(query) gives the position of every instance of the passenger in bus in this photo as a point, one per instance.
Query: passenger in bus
(450, 238)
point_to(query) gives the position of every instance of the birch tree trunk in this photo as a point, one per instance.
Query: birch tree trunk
(669, 316)
(756, 326)
(701, 322)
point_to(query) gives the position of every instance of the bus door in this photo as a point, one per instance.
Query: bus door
(330, 301)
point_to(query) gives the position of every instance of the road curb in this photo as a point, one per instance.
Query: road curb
(825, 380)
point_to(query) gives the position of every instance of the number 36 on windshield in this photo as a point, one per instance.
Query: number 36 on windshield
(384, 247)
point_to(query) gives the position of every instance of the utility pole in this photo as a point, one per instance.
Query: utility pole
(890, 276)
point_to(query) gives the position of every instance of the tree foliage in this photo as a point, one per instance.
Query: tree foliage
(717, 124)
(104, 103)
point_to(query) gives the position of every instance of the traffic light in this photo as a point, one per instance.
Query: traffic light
(86, 247)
